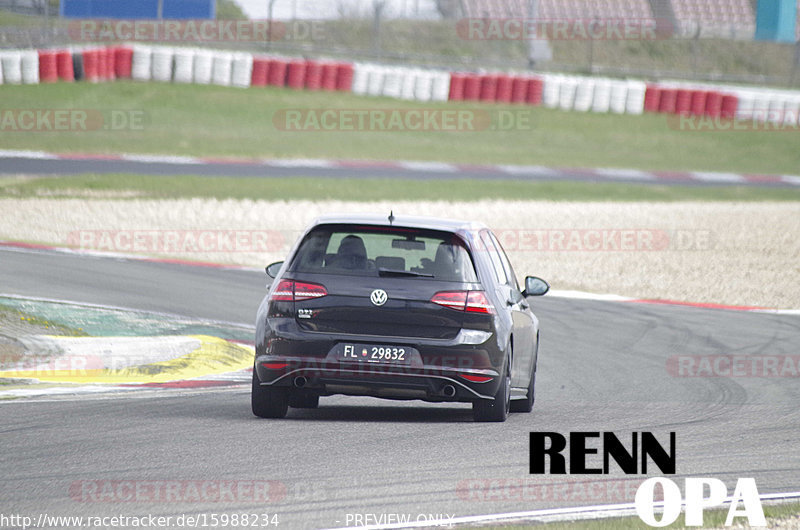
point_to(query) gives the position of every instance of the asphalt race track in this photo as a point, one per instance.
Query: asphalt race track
(603, 367)
(33, 163)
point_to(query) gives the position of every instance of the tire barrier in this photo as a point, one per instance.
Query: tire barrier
(566, 92)
(329, 75)
(203, 67)
(123, 62)
(64, 66)
(142, 63)
(222, 69)
(242, 70)
(277, 72)
(184, 66)
(77, 66)
(584, 95)
(472, 87)
(296, 78)
(456, 92)
(48, 67)
(519, 90)
(260, 72)
(634, 101)
(601, 98)
(162, 59)
(313, 75)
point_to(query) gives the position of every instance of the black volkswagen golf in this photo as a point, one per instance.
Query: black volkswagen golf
(398, 308)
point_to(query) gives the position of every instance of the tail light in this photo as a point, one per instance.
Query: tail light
(291, 291)
(477, 378)
(468, 301)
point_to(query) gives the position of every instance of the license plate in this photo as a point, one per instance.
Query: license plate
(375, 353)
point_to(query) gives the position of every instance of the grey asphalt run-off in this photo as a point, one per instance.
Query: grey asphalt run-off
(602, 368)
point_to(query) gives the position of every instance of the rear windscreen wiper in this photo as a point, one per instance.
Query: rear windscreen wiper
(392, 272)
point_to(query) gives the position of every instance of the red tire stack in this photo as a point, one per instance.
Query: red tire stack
(456, 87)
(652, 98)
(260, 73)
(313, 75)
(488, 88)
(666, 104)
(344, 77)
(730, 105)
(277, 72)
(535, 91)
(505, 85)
(48, 66)
(329, 76)
(472, 87)
(64, 66)
(123, 62)
(91, 66)
(519, 90)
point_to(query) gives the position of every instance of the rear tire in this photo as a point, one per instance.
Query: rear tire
(303, 399)
(526, 405)
(495, 409)
(268, 402)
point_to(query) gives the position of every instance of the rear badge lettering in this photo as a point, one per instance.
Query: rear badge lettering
(378, 297)
(305, 313)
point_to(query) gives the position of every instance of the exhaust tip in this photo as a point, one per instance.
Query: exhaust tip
(300, 381)
(449, 391)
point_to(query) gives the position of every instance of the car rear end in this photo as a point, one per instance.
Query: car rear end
(387, 311)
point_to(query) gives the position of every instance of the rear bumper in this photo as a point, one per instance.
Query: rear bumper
(327, 377)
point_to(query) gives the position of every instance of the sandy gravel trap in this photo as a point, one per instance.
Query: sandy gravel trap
(728, 253)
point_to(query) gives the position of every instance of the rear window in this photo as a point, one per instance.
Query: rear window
(384, 251)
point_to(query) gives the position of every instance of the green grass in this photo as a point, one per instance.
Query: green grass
(139, 186)
(218, 121)
(712, 519)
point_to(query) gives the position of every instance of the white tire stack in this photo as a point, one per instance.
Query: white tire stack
(12, 67)
(203, 67)
(242, 74)
(141, 69)
(162, 64)
(184, 65)
(30, 67)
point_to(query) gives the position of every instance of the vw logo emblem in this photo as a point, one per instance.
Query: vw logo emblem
(378, 297)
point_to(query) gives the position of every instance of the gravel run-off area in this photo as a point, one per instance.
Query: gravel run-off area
(726, 253)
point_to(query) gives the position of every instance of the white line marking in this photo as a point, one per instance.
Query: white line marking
(582, 295)
(529, 170)
(709, 176)
(635, 174)
(159, 159)
(791, 179)
(37, 155)
(438, 167)
(299, 162)
(548, 515)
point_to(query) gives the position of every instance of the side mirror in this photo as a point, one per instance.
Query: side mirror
(535, 286)
(274, 269)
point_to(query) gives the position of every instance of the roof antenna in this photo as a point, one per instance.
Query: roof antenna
(391, 217)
